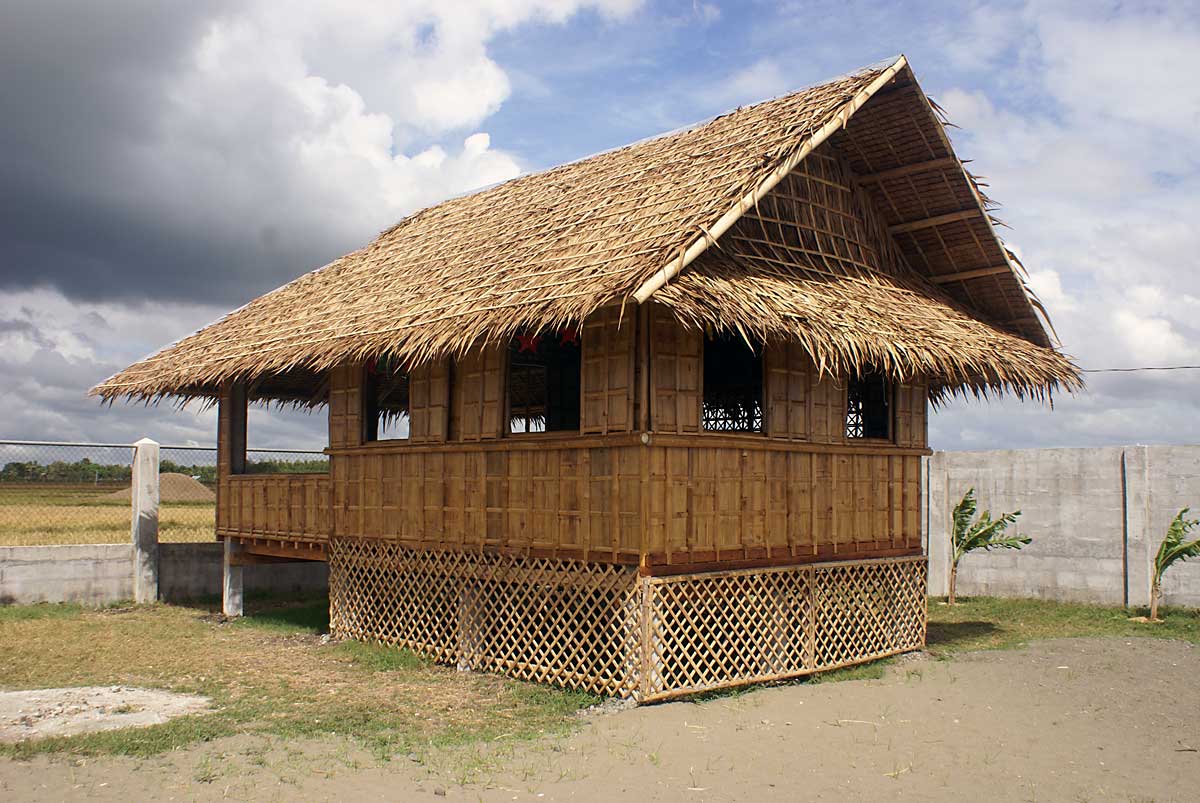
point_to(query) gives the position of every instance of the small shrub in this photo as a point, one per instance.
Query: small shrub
(1172, 548)
(984, 533)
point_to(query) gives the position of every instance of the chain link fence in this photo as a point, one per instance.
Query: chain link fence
(79, 493)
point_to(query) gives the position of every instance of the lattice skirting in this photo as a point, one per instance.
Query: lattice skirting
(606, 630)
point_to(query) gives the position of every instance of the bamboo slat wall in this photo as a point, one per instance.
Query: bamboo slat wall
(345, 406)
(477, 404)
(800, 492)
(676, 373)
(285, 507)
(536, 498)
(758, 502)
(429, 402)
(608, 373)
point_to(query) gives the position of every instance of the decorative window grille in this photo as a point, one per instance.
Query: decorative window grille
(868, 407)
(733, 385)
(543, 382)
(385, 400)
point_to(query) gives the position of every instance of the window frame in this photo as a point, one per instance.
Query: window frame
(760, 352)
(889, 395)
(370, 412)
(507, 429)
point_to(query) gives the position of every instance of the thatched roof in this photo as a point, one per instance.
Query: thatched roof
(625, 226)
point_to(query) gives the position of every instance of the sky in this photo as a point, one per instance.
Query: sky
(162, 163)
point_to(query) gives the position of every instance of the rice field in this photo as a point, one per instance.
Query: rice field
(37, 514)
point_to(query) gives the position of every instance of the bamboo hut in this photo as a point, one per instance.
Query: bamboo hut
(644, 424)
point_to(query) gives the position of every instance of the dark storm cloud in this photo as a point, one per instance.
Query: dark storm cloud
(84, 89)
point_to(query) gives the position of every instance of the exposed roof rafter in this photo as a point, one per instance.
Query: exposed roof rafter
(910, 169)
(977, 273)
(936, 220)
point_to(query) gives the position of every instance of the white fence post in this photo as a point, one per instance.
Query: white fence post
(231, 589)
(937, 539)
(144, 522)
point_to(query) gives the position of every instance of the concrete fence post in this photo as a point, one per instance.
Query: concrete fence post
(144, 521)
(1140, 542)
(937, 527)
(231, 589)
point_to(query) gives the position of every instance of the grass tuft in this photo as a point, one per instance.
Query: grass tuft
(380, 657)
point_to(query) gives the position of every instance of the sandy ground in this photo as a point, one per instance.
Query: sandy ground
(1068, 720)
(41, 713)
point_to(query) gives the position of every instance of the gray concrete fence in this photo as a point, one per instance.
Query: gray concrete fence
(1096, 516)
(101, 574)
(143, 569)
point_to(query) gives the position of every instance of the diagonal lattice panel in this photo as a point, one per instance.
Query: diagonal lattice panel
(868, 610)
(720, 629)
(727, 628)
(602, 629)
(569, 623)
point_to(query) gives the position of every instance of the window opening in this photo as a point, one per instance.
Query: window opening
(733, 385)
(543, 381)
(868, 407)
(385, 400)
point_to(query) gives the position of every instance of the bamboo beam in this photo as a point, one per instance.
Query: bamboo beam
(936, 220)
(909, 169)
(643, 368)
(709, 236)
(963, 275)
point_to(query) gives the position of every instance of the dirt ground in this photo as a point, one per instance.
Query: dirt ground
(40, 713)
(1065, 720)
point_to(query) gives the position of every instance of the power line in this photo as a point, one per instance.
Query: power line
(1140, 368)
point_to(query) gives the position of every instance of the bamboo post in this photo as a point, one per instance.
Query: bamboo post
(144, 521)
(643, 364)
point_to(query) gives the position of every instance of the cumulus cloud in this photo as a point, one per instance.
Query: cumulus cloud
(1092, 146)
(162, 163)
(211, 152)
(763, 78)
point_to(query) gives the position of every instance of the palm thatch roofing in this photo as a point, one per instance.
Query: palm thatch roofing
(930, 291)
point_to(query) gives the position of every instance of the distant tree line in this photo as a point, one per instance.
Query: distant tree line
(84, 470)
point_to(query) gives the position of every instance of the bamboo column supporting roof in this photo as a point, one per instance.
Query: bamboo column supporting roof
(629, 225)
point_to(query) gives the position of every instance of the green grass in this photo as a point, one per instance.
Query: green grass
(988, 624)
(381, 658)
(268, 674)
(984, 623)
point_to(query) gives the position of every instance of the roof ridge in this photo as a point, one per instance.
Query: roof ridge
(710, 235)
(683, 129)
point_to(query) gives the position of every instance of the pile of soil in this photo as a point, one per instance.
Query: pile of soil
(173, 487)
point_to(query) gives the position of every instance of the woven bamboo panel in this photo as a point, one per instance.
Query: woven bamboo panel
(731, 628)
(867, 610)
(568, 623)
(602, 629)
(726, 628)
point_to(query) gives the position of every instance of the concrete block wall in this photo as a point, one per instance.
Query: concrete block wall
(101, 574)
(1096, 517)
(91, 574)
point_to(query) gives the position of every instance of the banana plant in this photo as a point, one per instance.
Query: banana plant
(985, 533)
(1173, 548)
